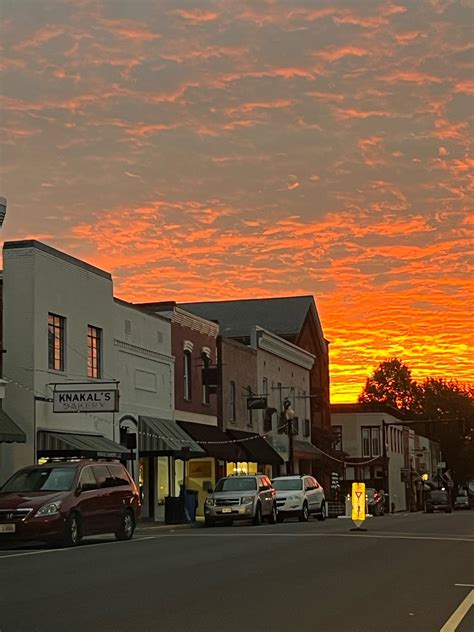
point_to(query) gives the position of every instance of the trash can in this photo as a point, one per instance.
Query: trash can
(174, 510)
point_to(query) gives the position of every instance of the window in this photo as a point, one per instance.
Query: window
(187, 375)
(296, 426)
(307, 429)
(288, 484)
(94, 351)
(205, 379)
(237, 484)
(366, 442)
(87, 480)
(265, 386)
(337, 438)
(371, 441)
(375, 437)
(57, 479)
(350, 473)
(119, 474)
(56, 327)
(103, 476)
(232, 401)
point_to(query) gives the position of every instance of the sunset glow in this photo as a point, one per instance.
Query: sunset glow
(254, 149)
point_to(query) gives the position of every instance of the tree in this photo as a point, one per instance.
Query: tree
(445, 410)
(391, 383)
(440, 399)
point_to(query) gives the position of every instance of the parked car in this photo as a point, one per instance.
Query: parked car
(241, 498)
(438, 499)
(462, 500)
(299, 496)
(375, 502)
(62, 502)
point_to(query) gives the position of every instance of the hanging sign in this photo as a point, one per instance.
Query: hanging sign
(358, 503)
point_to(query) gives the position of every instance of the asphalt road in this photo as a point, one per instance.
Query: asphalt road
(399, 575)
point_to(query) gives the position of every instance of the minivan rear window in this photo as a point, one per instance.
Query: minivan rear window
(236, 484)
(54, 479)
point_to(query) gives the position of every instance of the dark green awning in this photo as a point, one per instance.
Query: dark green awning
(9, 431)
(63, 444)
(163, 437)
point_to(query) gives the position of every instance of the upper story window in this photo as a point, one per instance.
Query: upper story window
(232, 404)
(206, 361)
(188, 386)
(56, 342)
(94, 352)
(337, 438)
(306, 428)
(370, 441)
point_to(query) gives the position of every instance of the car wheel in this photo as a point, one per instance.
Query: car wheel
(127, 527)
(304, 513)
(322, 512)
(257, 519)
(72, 531)
(208, 522)
(273, 517)
(448, 510)
(280, 518)
(428, 508)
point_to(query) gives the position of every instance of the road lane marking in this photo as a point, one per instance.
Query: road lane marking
(465, 585)
(77, 548)
(320, 535)
(458, 615)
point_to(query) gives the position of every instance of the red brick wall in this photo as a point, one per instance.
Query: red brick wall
(239, 364)
(180, 334)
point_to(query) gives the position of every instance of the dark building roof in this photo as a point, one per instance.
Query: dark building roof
(369, 408)
(283, 316)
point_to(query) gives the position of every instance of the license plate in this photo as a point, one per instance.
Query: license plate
(226, 510)
(7, 528)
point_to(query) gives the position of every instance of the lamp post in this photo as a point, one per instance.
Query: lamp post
(289, 414)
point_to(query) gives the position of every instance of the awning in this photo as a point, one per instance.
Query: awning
(9, 431)
(69, 444)
(213, 440)
(305, 450)
(162, 437)
(256, 448)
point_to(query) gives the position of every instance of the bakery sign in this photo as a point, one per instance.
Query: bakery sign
(86, 400)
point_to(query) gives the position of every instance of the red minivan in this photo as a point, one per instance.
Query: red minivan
(64, 501)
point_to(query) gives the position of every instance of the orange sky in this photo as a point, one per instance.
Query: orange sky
(245, 149)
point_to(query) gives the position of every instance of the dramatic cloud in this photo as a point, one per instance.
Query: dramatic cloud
(228, 149)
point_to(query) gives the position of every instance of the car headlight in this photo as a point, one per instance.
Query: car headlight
(49, 510)
(210, 502)
(294, 497)
(246, 500)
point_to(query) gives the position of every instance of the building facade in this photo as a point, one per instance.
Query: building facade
(64, 331)
(372, 437)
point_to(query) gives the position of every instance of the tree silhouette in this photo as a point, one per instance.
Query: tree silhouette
(391, 383)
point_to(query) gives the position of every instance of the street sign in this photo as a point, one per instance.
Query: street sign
(85, 400)
(358, 503)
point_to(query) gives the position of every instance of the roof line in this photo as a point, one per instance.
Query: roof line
(49, 250)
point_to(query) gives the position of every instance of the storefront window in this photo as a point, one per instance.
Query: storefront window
(241, 468)
(163, 479)
(178, 476)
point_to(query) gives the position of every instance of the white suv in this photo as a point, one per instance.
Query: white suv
(299, 496)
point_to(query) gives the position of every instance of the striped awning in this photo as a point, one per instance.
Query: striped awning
(68, 444)
(163, 437)
(9, 431)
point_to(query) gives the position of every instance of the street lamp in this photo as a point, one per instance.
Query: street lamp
(289, 415)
